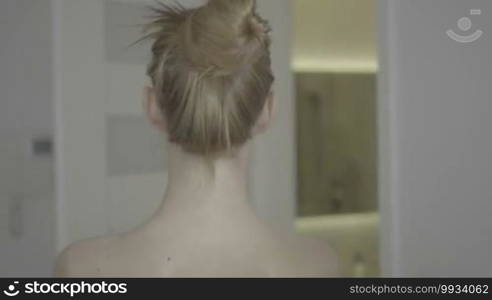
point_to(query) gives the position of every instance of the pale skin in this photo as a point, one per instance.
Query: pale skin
(205, 227)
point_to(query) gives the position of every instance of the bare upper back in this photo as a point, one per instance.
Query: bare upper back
(138, 255)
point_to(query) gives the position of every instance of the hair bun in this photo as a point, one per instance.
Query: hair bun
(211, 71)
(224, 36)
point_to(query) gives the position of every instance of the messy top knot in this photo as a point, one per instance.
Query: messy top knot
(211, 71)
(224, 36)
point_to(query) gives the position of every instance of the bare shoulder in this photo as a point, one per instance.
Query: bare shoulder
(322, 256)
(315, 257)
(83, 258)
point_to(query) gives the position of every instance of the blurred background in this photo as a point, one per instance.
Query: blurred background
(335, 64)
(369, 151)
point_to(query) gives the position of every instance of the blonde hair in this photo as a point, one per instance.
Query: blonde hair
(211, 72)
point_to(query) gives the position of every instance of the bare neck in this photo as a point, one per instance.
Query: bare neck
(205, 191)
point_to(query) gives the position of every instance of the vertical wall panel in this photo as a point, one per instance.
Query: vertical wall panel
(435, 138)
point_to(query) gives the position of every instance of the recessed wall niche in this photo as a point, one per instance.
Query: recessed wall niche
(337, 167)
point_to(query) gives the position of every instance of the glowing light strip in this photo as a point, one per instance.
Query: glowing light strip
(335, 66)
(336, 222)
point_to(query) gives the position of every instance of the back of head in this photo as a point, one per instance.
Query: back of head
(211, 72)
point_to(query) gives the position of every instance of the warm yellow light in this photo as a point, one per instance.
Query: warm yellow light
(337, 223)
(335, 66)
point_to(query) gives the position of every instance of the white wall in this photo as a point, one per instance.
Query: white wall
(26, 180)
(79, 76)
(436, 140)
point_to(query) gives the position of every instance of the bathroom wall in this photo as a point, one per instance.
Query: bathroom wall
(435, 139)
(26, 131)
